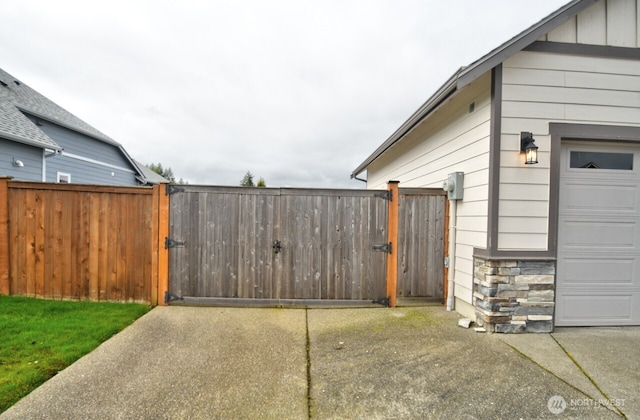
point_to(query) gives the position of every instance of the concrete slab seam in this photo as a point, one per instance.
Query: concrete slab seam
(586, 374)
(548, 371)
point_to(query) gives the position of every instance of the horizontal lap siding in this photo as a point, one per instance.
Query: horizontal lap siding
(540, 88)
(30, 156)
(74, 243)
(451, 139)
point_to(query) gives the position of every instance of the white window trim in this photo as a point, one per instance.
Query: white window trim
(63, 178)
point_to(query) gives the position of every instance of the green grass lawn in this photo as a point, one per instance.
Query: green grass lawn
(38, 338)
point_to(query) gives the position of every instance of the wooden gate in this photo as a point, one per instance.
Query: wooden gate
(421, 243)
(288, 247)
(276, 246)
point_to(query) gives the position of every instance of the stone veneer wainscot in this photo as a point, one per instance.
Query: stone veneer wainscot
(514, 296)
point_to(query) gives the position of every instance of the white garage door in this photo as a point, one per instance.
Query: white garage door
(598, 278)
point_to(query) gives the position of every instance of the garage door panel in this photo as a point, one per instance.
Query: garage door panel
(612, 199)
(598, 278)
(585, 309)
(589, 271)
(599, 234)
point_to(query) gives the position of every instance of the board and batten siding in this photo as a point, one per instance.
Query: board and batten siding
(451, 139)
(614, 23)
(541, 88)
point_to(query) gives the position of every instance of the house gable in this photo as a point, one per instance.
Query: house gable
(67, 144)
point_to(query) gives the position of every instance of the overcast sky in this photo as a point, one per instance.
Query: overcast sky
(298, 92)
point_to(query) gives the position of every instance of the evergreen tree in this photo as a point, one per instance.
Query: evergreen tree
(166, 173)
(247, 181)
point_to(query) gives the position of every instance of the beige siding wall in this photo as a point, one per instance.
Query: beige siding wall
(452, 139)
(540, 88)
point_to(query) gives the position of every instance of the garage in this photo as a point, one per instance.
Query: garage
(598, 282)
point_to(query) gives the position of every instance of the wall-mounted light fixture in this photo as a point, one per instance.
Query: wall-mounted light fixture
(18, 163)
(528, 146)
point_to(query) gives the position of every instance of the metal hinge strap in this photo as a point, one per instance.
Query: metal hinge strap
(387, 195)
(170, 297)
(172, 243)
(383, 301)
(383, 248)
(172, 189)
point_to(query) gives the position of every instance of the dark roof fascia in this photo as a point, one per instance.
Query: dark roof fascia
(522, 40)
(467, 75)
(141, 177)
(29, 142)
(37, 114)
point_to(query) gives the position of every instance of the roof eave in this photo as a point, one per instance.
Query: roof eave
(29, 142)
(467, 75)
(80, 130)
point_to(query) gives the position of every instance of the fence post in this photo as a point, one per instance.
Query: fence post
(392, 232)
(4, 235)
(163, 253)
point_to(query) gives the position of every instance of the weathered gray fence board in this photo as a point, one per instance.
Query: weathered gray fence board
(421, 243)
(327, 239)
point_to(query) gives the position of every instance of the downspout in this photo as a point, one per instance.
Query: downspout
(47, 154)
(453, 207)
(44, 165)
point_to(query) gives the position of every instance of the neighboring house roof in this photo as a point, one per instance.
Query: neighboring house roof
(151, 176)
(16, 99)
(17, 96)
(466, 75)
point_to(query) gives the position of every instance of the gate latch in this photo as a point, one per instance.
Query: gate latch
(383, 248)
(277, 246)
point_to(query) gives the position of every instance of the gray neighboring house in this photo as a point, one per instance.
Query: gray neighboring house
(41, 141)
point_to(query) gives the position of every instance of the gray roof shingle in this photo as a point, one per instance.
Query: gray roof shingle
(16, 98)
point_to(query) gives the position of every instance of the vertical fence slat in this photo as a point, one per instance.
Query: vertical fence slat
(4, 236)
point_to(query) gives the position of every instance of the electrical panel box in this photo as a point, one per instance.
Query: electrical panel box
(454, 185)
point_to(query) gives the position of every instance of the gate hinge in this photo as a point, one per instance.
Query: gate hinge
(383, 248)
(170, 297)
(383, 301)
(387, 195)
(172, 243)
(172, 189)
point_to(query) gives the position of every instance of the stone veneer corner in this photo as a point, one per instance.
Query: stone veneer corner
(514, 296)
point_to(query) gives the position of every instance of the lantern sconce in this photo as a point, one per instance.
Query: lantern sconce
(528, 146)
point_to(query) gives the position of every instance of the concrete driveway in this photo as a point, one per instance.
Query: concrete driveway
(193, 362)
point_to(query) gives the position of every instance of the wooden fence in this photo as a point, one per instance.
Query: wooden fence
(104, 243)
(66, 241)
